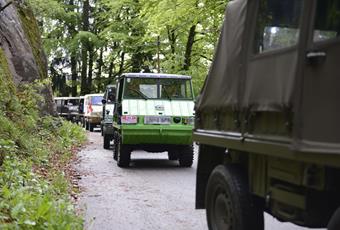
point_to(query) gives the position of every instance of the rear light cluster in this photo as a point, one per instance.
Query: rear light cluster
(128, 119)
(189, 120)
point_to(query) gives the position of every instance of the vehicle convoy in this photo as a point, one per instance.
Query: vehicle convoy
(107, 115)
(267, 119)
(92, 111)
(68, 107)
(155, 113)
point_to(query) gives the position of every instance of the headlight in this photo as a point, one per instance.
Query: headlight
(125, 119)
(189, 121)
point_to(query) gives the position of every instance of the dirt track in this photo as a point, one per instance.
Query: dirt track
(153, 193)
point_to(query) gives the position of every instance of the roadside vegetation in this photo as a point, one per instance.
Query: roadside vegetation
(34, 189)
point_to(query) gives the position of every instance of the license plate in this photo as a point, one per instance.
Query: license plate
(157, 120)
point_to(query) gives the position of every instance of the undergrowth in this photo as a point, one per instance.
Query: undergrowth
(34, 194)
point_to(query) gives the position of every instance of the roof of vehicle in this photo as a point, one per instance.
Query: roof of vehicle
(65, 98)
(155, 75)
(94, 95)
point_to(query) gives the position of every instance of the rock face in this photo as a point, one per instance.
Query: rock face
(21, 43)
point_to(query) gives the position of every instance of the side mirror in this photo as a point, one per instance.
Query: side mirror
(104, 101)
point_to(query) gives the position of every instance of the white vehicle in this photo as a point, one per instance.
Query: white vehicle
(92, 110)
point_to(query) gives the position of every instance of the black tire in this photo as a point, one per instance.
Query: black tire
(87, 127)
(173, 155)
(228, 201)
(115, 146)
(91, 127)
(334, 223)
(107, 139)
(123, 155)
(186, 156)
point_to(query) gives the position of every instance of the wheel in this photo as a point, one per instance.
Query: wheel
(101, 130)
(87, 125)
(115, 146)
(107, 139)
(186, 156)
(123, 155)
(334, 223)
(91, 127)
(173, 155)
(229, 204)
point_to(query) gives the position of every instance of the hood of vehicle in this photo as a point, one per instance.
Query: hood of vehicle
(158, 107)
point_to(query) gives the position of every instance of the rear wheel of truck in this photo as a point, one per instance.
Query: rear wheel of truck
(123, 155)
(107, 139)
(186, 156)
(87, 127)
(228, 201)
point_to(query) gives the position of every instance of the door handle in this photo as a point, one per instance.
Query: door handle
(315, 57)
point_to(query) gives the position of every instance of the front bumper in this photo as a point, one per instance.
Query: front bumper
(156, 134)
(94, 120)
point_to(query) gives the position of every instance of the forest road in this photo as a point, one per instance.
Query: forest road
(153, 193)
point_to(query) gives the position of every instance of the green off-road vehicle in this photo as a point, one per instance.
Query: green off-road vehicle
(155, 113)
(268, 117)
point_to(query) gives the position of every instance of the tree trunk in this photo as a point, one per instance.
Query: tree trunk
(84, 49)
(100, 64)
(91, 60)
(189, 46)
(74, 74)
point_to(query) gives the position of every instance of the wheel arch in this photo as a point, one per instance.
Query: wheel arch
(208, 158)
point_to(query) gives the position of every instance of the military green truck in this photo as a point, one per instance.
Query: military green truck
(107, 115)
(155, 113)
(268, 117)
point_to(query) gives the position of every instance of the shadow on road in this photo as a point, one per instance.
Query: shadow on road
(159, 164)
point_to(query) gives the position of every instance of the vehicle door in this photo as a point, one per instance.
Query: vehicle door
(319, 112)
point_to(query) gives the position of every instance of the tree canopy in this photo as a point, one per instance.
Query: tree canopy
(90, 42)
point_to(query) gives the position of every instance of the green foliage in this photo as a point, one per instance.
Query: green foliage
(34, 194)
(123, 37)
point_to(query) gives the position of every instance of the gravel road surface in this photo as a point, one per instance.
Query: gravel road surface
(153, 193)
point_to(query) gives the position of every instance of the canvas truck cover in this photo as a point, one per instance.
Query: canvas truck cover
(222, 84)
(240, 81)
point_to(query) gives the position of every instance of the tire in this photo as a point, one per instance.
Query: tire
(115, 145)
(91, 127)
(87, 125)
(186, 156)
(334, 223)
(228, 201)
(123, 155)
(107, 139)
(173, 155)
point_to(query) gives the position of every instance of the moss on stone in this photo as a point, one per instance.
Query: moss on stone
(7, 88)
(31, 29)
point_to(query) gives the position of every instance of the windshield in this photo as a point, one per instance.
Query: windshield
(73, 102)
(155, 88)
(96, 100)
